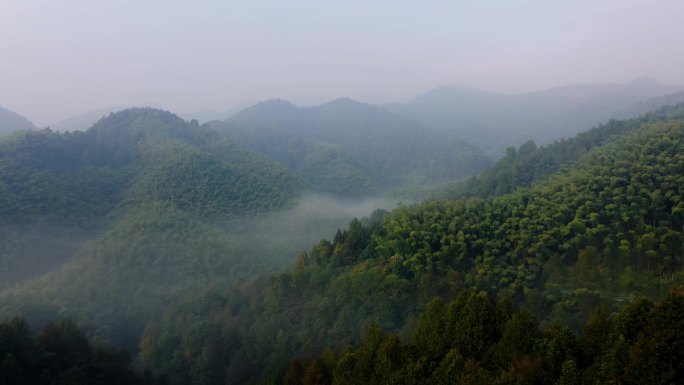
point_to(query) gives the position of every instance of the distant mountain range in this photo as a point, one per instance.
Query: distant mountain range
(571, 232)
(490, 121)
(11, 121)
(493, 121)
(145, 210)
(651, 105)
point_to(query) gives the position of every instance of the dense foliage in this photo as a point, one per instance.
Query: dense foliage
(605, 229)
(125, 217)
(523, 166)
(61, 354)
(128, 157)
(473, 340)
(147, 215)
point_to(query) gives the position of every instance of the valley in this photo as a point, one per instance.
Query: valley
(224, 252)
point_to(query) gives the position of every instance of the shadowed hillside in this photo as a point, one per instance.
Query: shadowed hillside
(349, 148)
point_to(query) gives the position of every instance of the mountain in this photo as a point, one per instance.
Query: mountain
(52, 177)
(652, 104)
(349, 148)
(603, 228)
(137, 227)
(527, 164)
(494, 121)
(11, 122)
(109, 224)
(82, 122)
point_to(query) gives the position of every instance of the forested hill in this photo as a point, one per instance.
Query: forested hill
(352, 149)
(112, 222)
(603, 230)
(651, 105)
(131, 157)
(11, 121)
(528, 164)
(474, 340)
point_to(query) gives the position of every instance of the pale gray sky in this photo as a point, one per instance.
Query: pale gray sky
(63, 57)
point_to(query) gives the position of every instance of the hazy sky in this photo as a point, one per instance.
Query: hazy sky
(63, 57)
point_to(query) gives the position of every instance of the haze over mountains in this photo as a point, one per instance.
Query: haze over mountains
(352, 149)
(76, 185)
(341, 192)
(84, 121)
(147, 219)
(11, 121)
(488, 120)
(144, 190)
(493, 121)
(593, 222)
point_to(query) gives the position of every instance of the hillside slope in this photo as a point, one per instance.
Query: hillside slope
(11, 122)
(475, 340)
(605, 229)
(352, 149)
(528, 164)
(132, 213)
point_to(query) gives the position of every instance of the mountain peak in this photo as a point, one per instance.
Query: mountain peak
(275, 104)
(130, 115)
(10, 121)
(644, 81)
(129, 126)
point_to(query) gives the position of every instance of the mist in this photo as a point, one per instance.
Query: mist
(172, 178)
(64, 59)
(271, 242)
(31, 250)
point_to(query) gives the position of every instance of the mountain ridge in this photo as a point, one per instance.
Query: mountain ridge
(494, 121)
(80, 183)
(599, 232)
(380, 147)
(11, 121)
